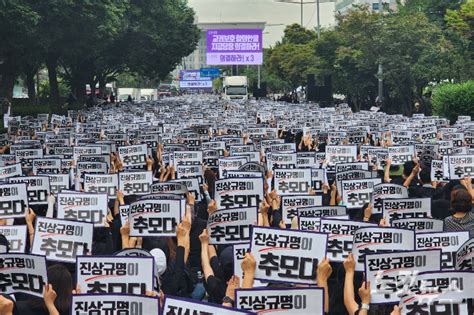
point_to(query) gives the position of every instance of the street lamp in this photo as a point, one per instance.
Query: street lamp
(302, 3)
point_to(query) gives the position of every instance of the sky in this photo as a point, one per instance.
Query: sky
(268, 11)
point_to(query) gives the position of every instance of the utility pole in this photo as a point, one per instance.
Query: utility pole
(302, 13)
(258, 76)
(318, 21)
(380, 78)
(302, 3)
(380, 70)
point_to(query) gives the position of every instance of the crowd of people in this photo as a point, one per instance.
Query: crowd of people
(189, 180)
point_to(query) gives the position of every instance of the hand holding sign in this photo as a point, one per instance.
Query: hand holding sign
(349, 264)
(49, 296)
(249, 264)
(324, 271)
(204, 237)
(6, 305)
(364, 292)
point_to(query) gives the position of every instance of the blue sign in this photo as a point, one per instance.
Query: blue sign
(210, 72)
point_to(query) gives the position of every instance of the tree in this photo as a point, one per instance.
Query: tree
(415, 53)
(452, 100)
(296, 34)
(158, 35)
(350, 54)
(292, 59)
(17, 22)
(460, 27)
(435, 10)
(88, 41)
(412, 50)
(95, 28)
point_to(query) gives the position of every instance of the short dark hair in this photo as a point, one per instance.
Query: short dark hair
(461, 201)
(425, 176)
(408, 167)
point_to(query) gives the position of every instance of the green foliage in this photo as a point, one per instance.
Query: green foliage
(451, 100)
(44, 91)
(89, 42)
(460, 27)
(296, 34)
(133, 80)
(17, 24)
(412, 50)
(292, 59)
(274, 83)
(416, 46)
(158, 44)
(435, 10)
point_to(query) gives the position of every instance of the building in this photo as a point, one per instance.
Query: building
(342, 6)
(197, 59)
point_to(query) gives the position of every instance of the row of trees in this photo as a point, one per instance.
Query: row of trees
(89, 41)
(424, 42)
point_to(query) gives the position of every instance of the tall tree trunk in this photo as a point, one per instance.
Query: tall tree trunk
(7, 80)
(80, 92)
(92, 82)
(30, 83)
(51, 64)
(102, 84)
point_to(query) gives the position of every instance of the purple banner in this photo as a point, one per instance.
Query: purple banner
(234, 47)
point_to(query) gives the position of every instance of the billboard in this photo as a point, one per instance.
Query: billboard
(192, 79)
(234, 47)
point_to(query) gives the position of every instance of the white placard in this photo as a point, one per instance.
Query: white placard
(13, 200)
(460, 166)
(292, 181)
(465, 256)
(420, 225)
(10, 171)
(16, 237)
(238, 192)
(102, 274)
(336, 154)
(83, 207)
(133, 156)
(37, 188)
(291, 204)
(107, 304)
(230, 164)
(231, 226)
(58, 183)
(386, 191)
(297, 301)
(62, 240)
(287, 255)
(448, 242)
(401, 154)
(415, 208)
(370, 240)
(135, 183)
(175, 305)
(23, 273)
(388, 271)
(46, 166)
(102, 184)
(155, 217)
(356, 193)
(340, 236)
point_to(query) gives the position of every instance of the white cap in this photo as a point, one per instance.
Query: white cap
(160, 261)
